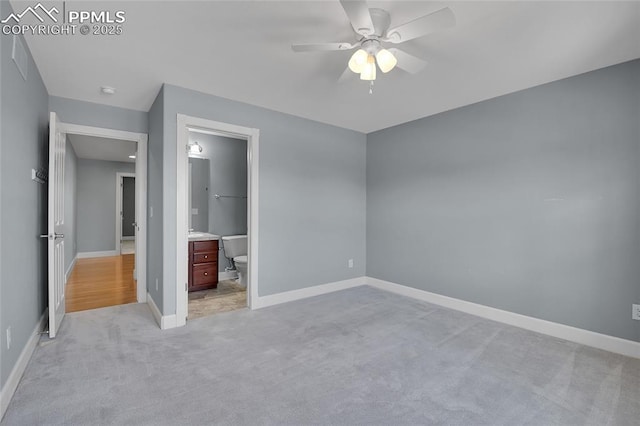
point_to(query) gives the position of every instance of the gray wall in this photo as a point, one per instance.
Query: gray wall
(154, 201)
(70, 206)
(228, 161)
(312, 193)
(528, 202)
(23, 146)
(128, 206)
(90, 114)
(96, 207)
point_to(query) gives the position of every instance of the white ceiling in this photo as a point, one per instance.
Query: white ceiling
(241, 50)
(94, 148)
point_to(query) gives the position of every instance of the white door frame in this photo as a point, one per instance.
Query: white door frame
(186, 124)
(141, 192)
(119, 192)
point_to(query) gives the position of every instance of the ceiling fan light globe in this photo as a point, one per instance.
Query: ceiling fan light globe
(358, 61)
(386, 60)
(369, 71)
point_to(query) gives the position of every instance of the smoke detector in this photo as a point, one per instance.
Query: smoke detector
(107, 90)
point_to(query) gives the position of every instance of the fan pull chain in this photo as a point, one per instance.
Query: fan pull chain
(371, 87)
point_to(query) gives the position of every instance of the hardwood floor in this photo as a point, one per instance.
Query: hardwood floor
(100, 282)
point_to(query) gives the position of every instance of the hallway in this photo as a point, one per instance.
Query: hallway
(101, 282)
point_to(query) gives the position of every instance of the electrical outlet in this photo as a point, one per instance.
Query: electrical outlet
(156, 284)
(9, 337)
(635, 314)
(350, 263)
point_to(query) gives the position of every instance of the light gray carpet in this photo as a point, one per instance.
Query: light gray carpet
(360, 356)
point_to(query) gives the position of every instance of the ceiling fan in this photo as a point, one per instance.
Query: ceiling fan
(372, 29)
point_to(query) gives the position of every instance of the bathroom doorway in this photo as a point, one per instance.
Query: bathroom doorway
(217, 210)
(219, 241)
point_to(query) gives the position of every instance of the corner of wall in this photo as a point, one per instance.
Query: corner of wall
(155, 237)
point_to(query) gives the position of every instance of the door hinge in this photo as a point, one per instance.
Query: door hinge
(186, 286)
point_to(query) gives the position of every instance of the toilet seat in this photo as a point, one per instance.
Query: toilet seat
(240, 259)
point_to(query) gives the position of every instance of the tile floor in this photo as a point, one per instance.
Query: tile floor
(127, 247)
(229, 296)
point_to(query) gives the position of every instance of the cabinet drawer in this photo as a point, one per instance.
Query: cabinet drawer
(203, 246)
(205, 273)
(205, 257)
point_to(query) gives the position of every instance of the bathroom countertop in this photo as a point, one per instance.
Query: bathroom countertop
(202, 236)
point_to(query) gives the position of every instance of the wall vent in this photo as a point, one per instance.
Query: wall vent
(19, 55)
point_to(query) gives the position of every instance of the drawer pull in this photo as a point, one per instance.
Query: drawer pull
(206, 257)
(206, 273)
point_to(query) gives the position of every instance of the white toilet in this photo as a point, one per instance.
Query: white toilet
(235, 248)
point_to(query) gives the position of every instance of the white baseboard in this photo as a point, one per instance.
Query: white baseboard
(11, 384)
(70, 268)
(164, 321)
(128, 238)
(303, 293)
(88, 254)
(566, 332)
(227, 275)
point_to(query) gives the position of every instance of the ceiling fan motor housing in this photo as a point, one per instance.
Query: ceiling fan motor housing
(381, 22)
(371, 46)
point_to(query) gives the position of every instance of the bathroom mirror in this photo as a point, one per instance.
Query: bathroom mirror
(199, 194)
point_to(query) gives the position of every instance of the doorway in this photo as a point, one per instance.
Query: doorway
(125, 213)
(99, 272)
(218, 203)
(187, 128)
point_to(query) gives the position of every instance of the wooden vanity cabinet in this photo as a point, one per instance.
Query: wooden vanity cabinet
(203, 265)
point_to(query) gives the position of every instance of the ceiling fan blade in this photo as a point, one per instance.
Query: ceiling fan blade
(407, 62)
(358, 13)
(321, 47)
(443, 18)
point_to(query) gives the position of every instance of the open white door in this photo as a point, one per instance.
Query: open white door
(57, 142)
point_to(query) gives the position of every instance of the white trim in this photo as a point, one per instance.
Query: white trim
(303, 293)
(78, 129)
(70, 268)
(566, 332)
(119, 192)
(184, 125)
(157, 315)
(88, 254)
(141, 195)
(227, 275)
(133, 238)
(13, 380)
(141, 219)
(165, 322)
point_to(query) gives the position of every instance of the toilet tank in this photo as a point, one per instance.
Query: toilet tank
(234, 245)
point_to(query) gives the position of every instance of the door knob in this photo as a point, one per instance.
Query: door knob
(56, 236)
